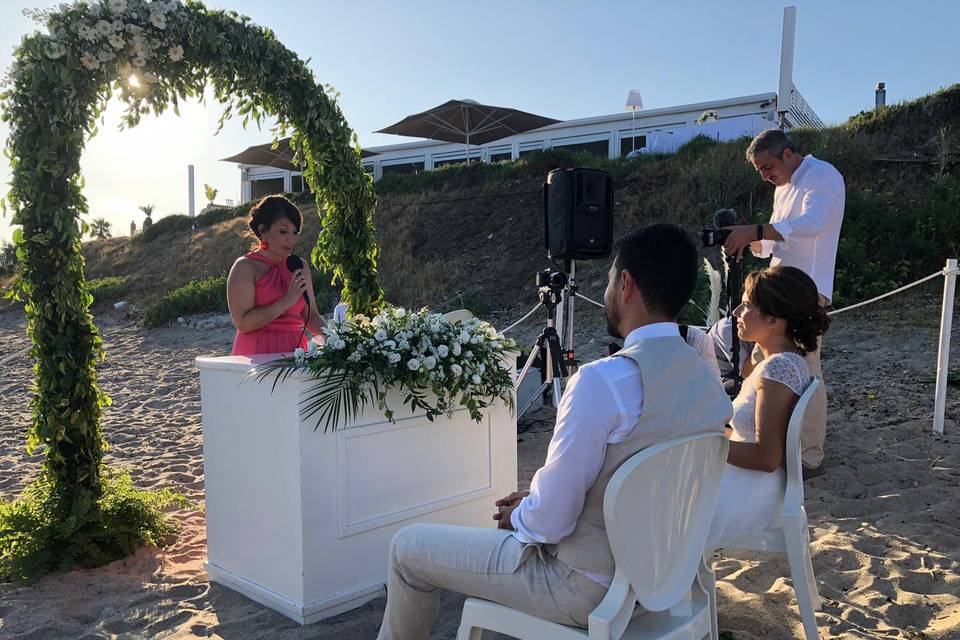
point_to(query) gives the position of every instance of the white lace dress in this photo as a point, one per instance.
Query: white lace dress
(750, 501)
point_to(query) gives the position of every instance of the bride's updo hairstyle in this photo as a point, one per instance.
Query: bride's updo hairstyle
(790, 294)
(270, 209)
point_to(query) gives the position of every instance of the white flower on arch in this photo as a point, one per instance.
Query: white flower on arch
(55, 50)
(90, 62)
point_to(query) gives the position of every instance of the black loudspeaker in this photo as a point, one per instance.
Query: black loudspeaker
(578, 214)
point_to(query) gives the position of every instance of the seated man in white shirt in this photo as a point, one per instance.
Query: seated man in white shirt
(550, 555)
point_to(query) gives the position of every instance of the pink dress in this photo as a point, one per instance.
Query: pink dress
(283, 335)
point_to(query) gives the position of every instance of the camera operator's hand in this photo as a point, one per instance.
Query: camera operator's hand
(739, 239)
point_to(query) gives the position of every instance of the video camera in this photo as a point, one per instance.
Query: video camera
(717, 235)
(552, 278)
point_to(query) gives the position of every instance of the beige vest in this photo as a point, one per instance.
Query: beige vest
(681, 397)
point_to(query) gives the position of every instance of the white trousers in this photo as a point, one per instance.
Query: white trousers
(484, 563)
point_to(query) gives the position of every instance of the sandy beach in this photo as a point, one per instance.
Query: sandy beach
(885, 519)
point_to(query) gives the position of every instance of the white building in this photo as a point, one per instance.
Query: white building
(610, 136)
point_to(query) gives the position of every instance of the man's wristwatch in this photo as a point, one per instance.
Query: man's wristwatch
(759, 232)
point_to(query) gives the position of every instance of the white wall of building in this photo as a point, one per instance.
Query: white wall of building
(612, 132)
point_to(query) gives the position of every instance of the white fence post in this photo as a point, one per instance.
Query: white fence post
(943, 361)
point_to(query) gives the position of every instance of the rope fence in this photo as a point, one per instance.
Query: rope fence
(949, 274)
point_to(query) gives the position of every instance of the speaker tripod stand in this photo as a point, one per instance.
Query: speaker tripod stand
(556, 290)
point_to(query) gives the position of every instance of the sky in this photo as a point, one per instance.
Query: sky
(559, 58)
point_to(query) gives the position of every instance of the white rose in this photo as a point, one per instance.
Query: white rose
(429, 362)
(103, 28)
(117, 6)
(443, 351)
(404, 345)
(464, 337)
(298, 353)
(175, 53)
(475, 378)
(55, 50)
(393, 358)
(89, 62)
(339, 344)
(401, 312)
(86, 33)
(482, 367)
(413, 364)
(135, 29)
(380, 335)
(456, 349)
(390, 344)
(117, 42)
(456, 369)
(158, 20)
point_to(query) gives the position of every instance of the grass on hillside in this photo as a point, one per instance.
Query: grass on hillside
(471, 235)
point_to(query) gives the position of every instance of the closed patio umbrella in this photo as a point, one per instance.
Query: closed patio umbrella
(468, 122)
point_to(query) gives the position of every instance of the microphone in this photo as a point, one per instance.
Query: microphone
(725, 218)
(295, 262)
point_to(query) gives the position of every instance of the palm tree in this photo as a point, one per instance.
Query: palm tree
(211, 193)
(148, 211)
(100, 229)
(8, 257)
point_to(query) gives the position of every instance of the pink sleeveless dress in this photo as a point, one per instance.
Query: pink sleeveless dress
(283, 334)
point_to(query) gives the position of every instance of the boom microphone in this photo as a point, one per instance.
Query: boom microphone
(295, 262)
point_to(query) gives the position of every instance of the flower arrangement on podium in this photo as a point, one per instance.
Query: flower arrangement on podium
(436, 365)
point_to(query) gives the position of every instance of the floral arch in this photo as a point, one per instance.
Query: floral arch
(152, 54)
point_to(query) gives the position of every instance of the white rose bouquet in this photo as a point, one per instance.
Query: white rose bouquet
(437, 365)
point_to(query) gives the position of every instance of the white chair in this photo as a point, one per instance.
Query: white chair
(460, 315)
(657, 507)
(794, 536)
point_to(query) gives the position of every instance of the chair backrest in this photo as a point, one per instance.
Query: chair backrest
(793, 494)
(460, 315)
(658, 507)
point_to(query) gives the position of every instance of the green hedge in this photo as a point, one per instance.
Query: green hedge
(108, 289)
(179, 222)
(197, 296)
(209, 295)
(533, 165)
(163, 226)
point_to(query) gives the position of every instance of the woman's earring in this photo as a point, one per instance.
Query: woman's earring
(263, 245)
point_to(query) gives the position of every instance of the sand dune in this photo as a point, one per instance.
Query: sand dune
(885, 519)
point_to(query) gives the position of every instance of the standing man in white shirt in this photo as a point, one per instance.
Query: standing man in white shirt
(803, 232)
(549, 555)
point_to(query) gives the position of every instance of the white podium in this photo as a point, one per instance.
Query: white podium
(301, 520)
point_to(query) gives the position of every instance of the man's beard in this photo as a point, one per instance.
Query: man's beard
(613, 321)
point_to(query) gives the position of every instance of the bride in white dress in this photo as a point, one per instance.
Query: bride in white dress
(780, 311)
